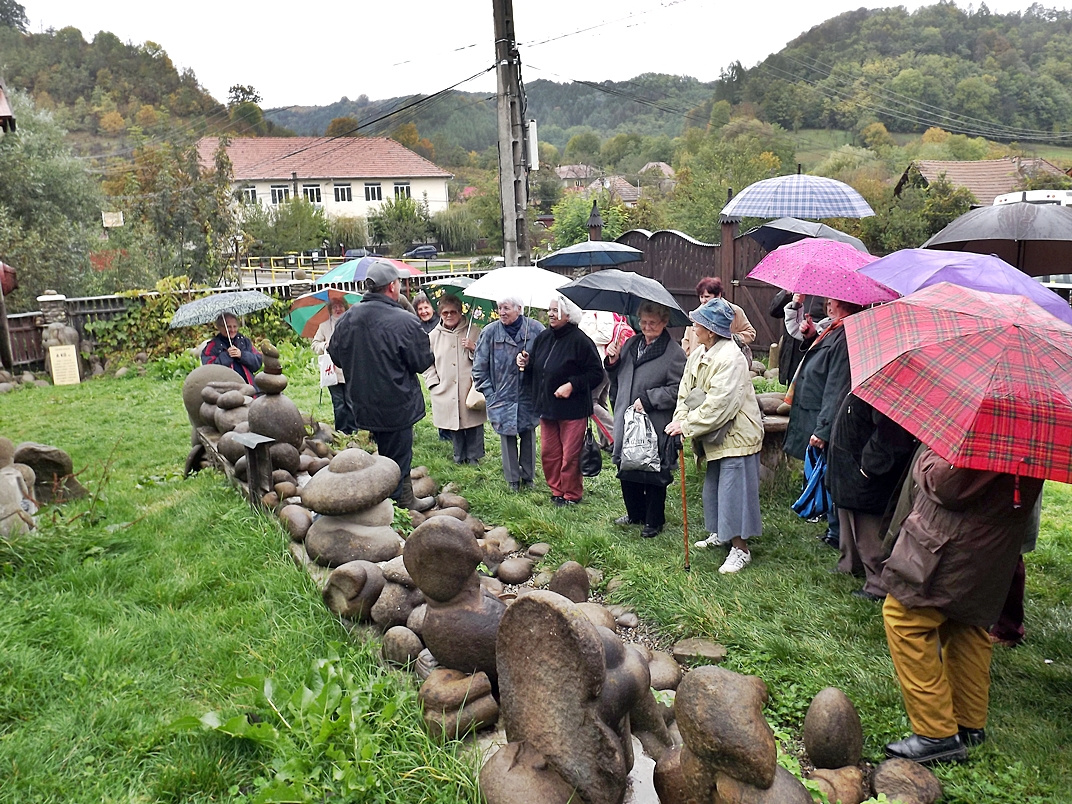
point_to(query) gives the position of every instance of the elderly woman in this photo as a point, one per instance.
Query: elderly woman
(422, 305)
(716, 406)
(562, 370)
(710, 287)
(510, 405)
(647, 372)
(229, 348)
(340, 403)
(449, 379)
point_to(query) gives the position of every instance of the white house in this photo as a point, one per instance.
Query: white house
(343, 175)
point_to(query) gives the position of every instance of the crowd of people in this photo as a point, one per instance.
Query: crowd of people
(939, 546)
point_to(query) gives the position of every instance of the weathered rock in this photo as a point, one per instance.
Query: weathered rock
(231, 399)
(449, 500)
(332, 541)
(53, 470)
(120, 373)
(426, 663)
(285, 456)
(665, 672)
(698, 651)
(515, 570)
(401, 646)
(277, 417)
(476, 527)
(283, 476)
(538, 550)
(627, 620)
(441, 555)
(418, 472)
(395, 604)
(518, 773)
(395, 571)
(833, 735)
(493, 556)
(570, 580)
(227, 420)
(457, 513)
(595, 577)
(841, 785)
(352, 589)
(286, 490)
(493, 585)
(193, 385)
(670, 783)
(271, 384)
(784, 789)
(770, 402)
(423, 486)
(318, 464)
(647, 723)
(229, 448)
(415, 621)
(720, 714)
(597, 614)
(351, 483)
(270, 500)
(297, 520)
(906, 781)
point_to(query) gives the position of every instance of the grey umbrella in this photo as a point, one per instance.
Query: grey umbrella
(1036, 238)
(208, 308)
(621, 292)
(799, 195)
(592, 253)
(789, 230)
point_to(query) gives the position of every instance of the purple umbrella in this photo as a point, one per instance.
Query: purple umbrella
(821, 267)
(910, 269)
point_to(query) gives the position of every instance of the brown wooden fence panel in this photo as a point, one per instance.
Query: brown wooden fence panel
(26, 339)
(80, 311)
(754, 296)
(674, 260)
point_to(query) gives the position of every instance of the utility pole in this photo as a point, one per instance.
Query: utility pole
(513, 142)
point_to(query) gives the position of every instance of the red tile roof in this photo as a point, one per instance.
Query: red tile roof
(276, 158)
(987, 179)
(618, 186)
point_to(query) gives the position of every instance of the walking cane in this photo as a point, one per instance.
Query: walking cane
(684, 506)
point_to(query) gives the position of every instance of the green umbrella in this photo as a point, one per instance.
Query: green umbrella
(309, 311)
(479, 311)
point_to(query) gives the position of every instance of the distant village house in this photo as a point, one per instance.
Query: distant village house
(986, 179)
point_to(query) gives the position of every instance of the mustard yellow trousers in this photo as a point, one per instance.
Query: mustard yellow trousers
(943, 667)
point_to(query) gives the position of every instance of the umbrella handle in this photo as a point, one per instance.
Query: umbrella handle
(684, 505)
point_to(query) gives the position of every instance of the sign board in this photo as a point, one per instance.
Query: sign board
(63, 361)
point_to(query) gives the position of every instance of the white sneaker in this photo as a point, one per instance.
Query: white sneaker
(736, 561)
(710, 541)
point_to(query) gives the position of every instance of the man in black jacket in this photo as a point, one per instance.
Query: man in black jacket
(381, 349)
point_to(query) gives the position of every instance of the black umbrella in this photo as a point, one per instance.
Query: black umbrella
(1036, 238)
(621, 292)
(592, 253)
(789, 230)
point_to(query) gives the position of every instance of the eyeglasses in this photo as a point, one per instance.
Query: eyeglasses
(450, 312)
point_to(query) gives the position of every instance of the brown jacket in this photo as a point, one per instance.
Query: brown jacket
(958, 548)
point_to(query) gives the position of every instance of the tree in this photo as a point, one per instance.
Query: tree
(13, 15)
(400, 222)
(571, 218)
(457, 229)
(342, 127)
(242, 93)
(583, 149)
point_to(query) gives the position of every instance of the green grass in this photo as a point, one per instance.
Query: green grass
(144, 605)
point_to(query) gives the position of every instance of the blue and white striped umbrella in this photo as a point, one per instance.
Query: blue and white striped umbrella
(797, 196)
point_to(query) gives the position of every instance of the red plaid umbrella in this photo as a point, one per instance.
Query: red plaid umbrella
(984, 379)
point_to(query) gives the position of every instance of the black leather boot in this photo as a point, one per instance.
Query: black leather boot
(972, 737)
(928, 750)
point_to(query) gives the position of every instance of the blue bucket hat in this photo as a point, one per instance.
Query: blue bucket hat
(716, 315)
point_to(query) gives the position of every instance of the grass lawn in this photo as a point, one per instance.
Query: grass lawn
(146, 602)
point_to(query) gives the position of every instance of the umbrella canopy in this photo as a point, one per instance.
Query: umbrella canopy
(797, 196)
(208, 308)
(622, 292)
(592, 253)
(821, 267)
(357, 270)
(1036, 238)
(535, 287)
(910, 269)
(983, 379)
(478, 311)
(783, 231)
(310, 310)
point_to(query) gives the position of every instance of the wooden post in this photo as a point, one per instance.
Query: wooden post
(727, 258)
(258, 465)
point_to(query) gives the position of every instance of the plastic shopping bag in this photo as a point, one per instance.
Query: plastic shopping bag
(640, 443)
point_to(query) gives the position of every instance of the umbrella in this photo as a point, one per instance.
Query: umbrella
(783, 231)
(357, 270)
(622, 292)
(535, 287)
(476, 310)
(310, 310)
(592, 253)
(208, 308)
(910, 269)
(983, 379)
(1036, 238)
(798, 196)
(821, 267)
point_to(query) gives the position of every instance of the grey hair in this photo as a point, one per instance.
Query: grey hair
(514, 300)
(572, 311)
(654, 308)
(421, 297)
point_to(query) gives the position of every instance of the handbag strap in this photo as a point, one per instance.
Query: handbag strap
(602, 429)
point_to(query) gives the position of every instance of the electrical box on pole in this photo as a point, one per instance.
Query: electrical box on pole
(513, 139)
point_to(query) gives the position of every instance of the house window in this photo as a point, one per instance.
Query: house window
(280, 193)
(402, 189)
(373, 192)
(249, 195)
(343, 193)
(311, 193)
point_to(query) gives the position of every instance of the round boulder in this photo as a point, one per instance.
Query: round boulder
(833, 735)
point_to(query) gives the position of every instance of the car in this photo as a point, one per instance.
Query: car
(425, 252)
(356, 253)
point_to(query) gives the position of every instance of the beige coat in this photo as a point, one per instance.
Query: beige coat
(450, 377)
(722, 372)
(741, 327)
(323, 338)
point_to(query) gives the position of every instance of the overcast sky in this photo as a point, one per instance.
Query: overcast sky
(315, 53)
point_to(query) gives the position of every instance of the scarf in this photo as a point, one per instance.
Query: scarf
(513, 330)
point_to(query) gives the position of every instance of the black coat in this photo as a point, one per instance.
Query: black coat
(866, 457)
(821, 384)
(381, 349)
(559, 356)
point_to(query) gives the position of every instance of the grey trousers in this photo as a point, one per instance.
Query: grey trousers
(861, 547)
(519, 465)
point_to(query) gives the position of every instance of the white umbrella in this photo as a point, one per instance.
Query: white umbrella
(534, 287)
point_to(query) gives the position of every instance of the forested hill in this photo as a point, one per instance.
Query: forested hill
(1004, 76)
